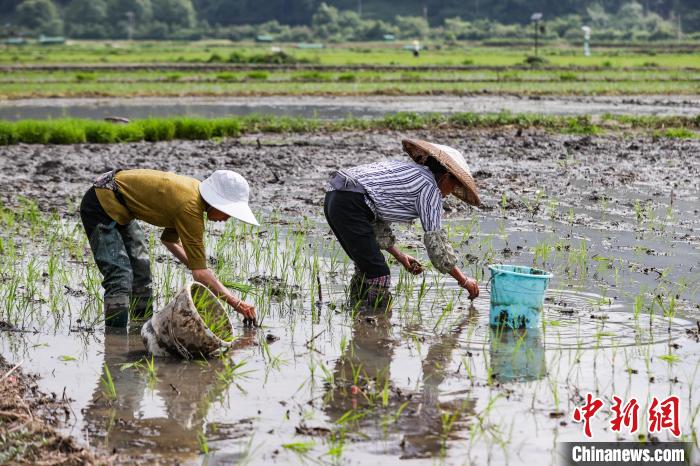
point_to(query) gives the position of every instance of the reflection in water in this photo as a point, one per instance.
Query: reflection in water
(364, 363)
(516, 354)
(165, 415)
(568, 325)
(436, 421)
(425, 421)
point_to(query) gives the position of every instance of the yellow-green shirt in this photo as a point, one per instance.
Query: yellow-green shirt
(162, 199)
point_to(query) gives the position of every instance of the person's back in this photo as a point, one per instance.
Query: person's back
(400, 191)
(162, 199)
(154, 196)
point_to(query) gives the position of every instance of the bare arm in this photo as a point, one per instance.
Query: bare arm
(409, 263)
(207, 278)
(465, 282)
(415, 267)
(394, 251)
(178, 251)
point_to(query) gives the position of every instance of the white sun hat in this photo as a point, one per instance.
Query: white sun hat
(228, 192)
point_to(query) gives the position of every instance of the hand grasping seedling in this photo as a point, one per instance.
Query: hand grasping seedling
(409, 263)
(250, 322)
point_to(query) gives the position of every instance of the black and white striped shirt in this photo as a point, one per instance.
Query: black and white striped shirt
(400, 191)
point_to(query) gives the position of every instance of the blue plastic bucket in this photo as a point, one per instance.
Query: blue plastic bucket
(517, 295)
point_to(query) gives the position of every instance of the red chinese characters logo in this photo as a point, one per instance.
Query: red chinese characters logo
(627, 415)
(586, 412)
(662, 415)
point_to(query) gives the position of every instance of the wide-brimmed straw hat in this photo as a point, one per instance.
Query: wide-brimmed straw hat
(452, 160)
(228, 192)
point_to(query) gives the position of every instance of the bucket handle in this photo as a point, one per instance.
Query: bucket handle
(487, 284)
(493, 274)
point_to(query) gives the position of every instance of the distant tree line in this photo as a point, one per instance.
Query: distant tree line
(351, 20)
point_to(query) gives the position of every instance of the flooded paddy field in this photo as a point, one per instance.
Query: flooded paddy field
(428, 381)
(337, 107)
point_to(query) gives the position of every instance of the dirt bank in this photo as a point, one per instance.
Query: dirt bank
(28, 421)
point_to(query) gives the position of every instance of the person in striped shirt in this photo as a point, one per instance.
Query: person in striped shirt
(361, 203)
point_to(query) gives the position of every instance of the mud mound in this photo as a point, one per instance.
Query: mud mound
(28, 419)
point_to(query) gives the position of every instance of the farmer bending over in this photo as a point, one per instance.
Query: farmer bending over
(363, 200)
(177, 203)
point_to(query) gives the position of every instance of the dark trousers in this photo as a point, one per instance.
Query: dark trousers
(351, 219)
(120, 251)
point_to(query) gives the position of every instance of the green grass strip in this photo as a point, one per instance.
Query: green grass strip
(75, 131)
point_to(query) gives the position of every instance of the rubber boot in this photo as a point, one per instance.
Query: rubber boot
(116, 311)
(379, 298)
(356, 288)
(373, 294)
(137, 249)
(112, 259)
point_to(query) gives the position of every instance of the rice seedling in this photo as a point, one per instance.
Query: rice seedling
(351, 418)
(108, 389)
(258, 75)
(137, 365)
(155, 129)
(447, 419)
(301, 448)
(232, 371)
(272, 362)
(336, 445)
(247, 455)
(203, 443)
(151, 372)
(192, 129)
(393, 417)
(542, 252)
(75, 131)
(228, 77)
(85, 77)
(313, 76)
(347, 77)
(210, 310)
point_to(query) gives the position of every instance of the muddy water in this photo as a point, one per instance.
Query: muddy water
(516, 383)
(342, 107)
(432, 385)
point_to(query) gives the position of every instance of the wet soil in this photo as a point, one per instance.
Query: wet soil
(336, 107)
(288, 172)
